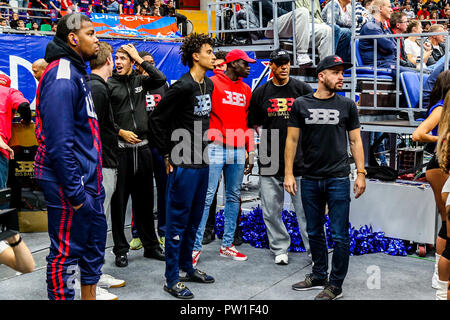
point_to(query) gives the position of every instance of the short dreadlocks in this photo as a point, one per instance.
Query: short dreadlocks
(192, 44)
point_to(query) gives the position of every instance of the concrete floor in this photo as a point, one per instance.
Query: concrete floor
(370, 277)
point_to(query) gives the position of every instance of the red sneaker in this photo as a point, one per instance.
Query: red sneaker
(231, 252)
(195, 257)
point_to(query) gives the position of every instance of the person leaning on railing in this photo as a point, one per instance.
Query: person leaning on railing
(437, 44)
(399, 24)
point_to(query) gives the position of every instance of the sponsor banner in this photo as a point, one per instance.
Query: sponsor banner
(134, 26)
(23, 50)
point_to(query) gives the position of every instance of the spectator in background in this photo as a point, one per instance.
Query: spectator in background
(98, 6)
(437, 44)
(342, 25)
(363, 13)
(84, 6)
(35, 26)
(423, 12)
(399, 24)
(38, 68)
(157, 4)
(14, 20)
(169, 9)
(54, 26)
(67, 6)
(412, 47)
(410, 14)
(143, 12)
(303, 33)
(21, 26)
(38, 4)
(128, 7)
(3, 24)
(156, 12)
(55, 9)
(145, 6)
(113, 7)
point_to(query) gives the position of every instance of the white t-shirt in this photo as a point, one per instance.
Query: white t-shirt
(3, 246)
(412, 48)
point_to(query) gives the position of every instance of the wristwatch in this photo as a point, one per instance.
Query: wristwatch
(364, 172)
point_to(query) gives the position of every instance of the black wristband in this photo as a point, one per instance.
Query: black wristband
(15, 244)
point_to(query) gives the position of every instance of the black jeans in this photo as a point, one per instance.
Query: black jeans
(135, 178)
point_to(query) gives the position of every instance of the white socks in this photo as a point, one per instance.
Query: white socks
(435, 277)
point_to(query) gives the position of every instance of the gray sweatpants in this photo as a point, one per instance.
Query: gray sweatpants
(109, 184)
(272, 199)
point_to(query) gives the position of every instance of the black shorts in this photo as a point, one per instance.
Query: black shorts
(433, 164)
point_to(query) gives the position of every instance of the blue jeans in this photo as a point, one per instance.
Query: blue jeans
(315, 195)
(342, 37)
(3, 171)
(232, 162)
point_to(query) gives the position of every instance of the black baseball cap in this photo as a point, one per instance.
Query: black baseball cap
(280, 55)
(332, 61)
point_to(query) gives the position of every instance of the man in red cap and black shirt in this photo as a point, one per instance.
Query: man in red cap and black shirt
(231, 148)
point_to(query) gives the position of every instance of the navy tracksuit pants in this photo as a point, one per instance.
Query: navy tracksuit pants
(77, 238)
(185, 202)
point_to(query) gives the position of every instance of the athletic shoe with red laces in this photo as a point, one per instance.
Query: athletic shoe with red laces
(231, 252)
(195, 256)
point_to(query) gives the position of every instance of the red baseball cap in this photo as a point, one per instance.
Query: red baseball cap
(237, 54)
(5, 80)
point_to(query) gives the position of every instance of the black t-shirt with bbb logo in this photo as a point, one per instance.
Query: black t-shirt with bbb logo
(269, 108)
(324, 124)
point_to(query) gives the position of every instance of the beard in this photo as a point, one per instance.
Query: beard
(331, 87)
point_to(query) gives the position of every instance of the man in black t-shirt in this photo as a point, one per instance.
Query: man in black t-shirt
(324, 119)
(178, 125)
(269, 108)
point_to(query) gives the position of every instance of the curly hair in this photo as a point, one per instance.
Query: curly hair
(193, 44)
(221, 55)
(443, 146)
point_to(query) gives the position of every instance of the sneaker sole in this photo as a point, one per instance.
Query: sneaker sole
(339, 296)
(178, 297)
(310, 288)
(119, 285)
(234, 258)
(282, 263)
(136, 248)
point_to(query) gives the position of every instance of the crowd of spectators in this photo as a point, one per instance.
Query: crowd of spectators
(52, 10)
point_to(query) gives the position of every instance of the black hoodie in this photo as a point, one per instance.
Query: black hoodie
(108, 131)
(128, 100)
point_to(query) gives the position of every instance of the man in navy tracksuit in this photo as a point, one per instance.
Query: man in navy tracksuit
(68, 162)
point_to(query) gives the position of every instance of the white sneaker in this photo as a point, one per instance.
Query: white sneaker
(303, 58)
(282, 259)
(102, 294)
(195, 256)
(108, 281)
(441, 292)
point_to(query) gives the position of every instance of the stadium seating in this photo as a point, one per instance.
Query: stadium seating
(410, 82)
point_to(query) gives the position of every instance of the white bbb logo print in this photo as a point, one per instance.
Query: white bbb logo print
(235, 99)
(323, 116)
(204, 105)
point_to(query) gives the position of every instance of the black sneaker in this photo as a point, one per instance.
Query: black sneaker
(310, 283)
(330, 293)
(208, 237)
(179, 290)
(197, 276)
(121, 261)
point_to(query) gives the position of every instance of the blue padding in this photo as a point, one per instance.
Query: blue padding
(411, 87)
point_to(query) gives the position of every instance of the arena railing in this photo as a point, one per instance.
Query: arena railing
(10, 10)
(354, 78)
